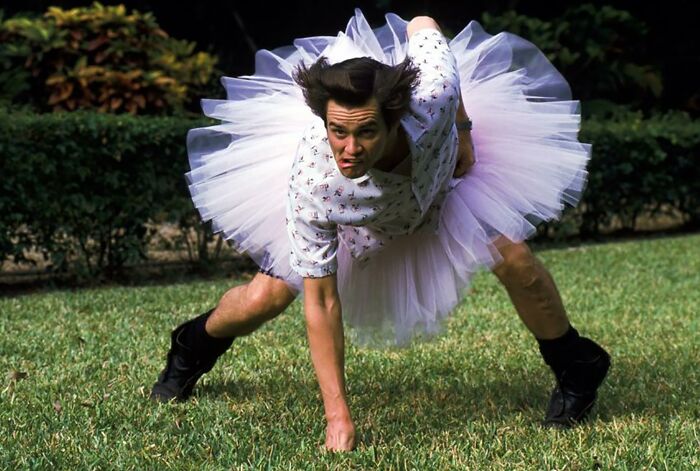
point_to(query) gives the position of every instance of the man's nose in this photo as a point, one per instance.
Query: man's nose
(353, 147)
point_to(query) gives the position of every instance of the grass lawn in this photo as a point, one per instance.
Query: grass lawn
(77, 367)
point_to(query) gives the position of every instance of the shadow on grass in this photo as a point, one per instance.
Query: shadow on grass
(162, 274)
(413, 401)
(433, 398)
(182, 272)
(615, 237)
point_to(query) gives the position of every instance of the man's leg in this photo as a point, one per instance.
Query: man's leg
(578, 363)
(532, 290)
(244, 308)
(198, 343)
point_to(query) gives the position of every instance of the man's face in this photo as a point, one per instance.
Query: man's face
(357, 136)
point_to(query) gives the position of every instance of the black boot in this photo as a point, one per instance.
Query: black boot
(580, 369)
(192, 353)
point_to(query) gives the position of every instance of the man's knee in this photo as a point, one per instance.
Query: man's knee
(267, 298)
(519, 265)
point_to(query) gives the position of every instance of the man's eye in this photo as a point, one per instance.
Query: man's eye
(368, 132)
(339, 133)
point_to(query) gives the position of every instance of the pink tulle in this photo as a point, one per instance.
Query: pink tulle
(530, 163)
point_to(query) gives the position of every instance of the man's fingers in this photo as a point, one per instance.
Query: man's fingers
(464, 163)
(344, 444)
(340, 438)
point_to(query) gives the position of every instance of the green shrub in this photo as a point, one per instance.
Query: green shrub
(598, 49)
(640, 168)
(100, 57)
(642, 165)
(82, 187)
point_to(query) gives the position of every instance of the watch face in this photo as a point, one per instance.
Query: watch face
(464, 126)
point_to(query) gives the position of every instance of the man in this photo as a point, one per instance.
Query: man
(380, 165)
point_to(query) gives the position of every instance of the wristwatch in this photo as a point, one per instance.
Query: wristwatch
(464, 125)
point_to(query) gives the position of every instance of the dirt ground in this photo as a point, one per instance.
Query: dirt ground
(169, 260)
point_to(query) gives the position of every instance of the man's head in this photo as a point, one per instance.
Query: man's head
(361, 102)
(356, 81)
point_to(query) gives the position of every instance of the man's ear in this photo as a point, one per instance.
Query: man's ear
(395, 127)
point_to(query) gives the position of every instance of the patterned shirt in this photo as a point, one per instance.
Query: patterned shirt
(325, 208)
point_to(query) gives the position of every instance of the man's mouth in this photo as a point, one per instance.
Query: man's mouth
(347, 163)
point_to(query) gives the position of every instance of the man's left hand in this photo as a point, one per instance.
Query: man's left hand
(465, 153)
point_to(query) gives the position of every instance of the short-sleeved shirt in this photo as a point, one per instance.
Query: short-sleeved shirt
(325, 208)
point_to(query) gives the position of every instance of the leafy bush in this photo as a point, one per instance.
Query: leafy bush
(640, 168)
(598, 49)
(103, 58)
(83, 187)
(642, 165)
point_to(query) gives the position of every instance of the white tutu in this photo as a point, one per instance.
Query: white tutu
(530, 163)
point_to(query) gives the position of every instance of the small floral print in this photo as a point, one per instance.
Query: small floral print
(323, 203)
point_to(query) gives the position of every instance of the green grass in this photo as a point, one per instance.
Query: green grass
(470, 400)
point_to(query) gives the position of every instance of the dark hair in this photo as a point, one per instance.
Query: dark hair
(354, 82)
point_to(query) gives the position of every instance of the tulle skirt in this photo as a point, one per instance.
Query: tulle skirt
(530, 163)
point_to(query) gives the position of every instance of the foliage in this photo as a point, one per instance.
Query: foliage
(100, 57)
(82, 188)
(600, 50)
(639, 167)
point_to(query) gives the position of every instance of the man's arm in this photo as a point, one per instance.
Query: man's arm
(324, 327)
(465, 151)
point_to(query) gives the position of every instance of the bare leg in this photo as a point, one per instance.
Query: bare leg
(532, 290)
(578, 363)
(244, 308)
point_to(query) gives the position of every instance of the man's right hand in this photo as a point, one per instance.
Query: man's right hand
(324, 325)
(340, 435)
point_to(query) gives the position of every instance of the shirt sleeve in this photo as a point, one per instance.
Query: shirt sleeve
(312, 236)
(435, 100)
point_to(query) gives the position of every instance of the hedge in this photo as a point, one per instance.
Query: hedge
(82, 187)
(641, 166)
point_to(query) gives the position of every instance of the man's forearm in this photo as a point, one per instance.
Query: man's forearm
(462, 116)
(326, 340)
